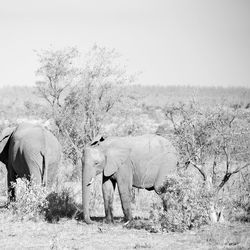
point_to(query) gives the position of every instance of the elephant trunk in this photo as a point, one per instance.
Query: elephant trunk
(85, 194)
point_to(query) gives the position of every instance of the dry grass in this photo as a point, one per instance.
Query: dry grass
(70, 234)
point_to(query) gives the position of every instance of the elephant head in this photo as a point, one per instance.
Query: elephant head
(98, 158)
(4, 144)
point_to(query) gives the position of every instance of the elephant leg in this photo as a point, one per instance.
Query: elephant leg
(163, 175)
(159, 184)
(125, 191)
(34, 165)
(11, 177)
(108, 188)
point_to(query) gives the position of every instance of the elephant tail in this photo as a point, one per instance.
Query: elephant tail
(44, 173)
(44, 170)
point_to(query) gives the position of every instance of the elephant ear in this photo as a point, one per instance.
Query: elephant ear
(5, 135)
(115, 157)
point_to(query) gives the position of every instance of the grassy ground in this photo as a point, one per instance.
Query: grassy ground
(70, 234)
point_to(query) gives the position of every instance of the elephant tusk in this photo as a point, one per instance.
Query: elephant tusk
(91, 181)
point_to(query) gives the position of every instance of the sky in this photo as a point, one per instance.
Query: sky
(171, 42)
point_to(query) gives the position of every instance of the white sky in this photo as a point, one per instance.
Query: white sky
(195, 42)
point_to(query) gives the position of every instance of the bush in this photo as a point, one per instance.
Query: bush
(185, 205)
(239, 209)
(59, 205)
(30, 200)
(34, 202)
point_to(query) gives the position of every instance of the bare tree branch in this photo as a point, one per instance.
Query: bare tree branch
(224, 180)
(240, 168)
(199, 168)
(64, 131)
(229, 174)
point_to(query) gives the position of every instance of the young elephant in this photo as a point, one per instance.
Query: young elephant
(140, 161)
(29, 151)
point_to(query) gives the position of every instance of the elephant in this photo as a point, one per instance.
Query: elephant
(133, 161)
(31, 151)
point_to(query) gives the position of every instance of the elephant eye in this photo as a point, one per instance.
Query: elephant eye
(96, 163)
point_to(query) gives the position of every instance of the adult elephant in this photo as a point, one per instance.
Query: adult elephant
(140, 161)
(29, 151)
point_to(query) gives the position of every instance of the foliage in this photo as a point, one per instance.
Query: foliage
(30, 200)
(185, 205)
(214, 141)
(89, 103)
(60, 205)
(240, 210)
(36, 109)
(33, 202)
(68, 172)
(94, 90)
(239, 205)
(57, 71)
(201, 134)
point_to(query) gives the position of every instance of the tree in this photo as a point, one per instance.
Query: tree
(213, 141)
(57, 71)
(94, 90)
(99, 92)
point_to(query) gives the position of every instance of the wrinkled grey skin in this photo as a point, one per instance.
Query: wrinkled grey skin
(141, 161)
(29, 151)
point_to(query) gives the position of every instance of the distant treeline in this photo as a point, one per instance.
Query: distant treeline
(14, 99)
(162, 95)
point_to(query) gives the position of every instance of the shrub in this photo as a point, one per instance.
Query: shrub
(33, 202)
(30, 199)
(59, 205)
(214, 141)
(239, 209)
(185, 205)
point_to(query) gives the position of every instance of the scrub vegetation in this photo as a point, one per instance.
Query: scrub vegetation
(80, 97)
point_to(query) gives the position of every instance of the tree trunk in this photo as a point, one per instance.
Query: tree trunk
(213, 214)
(216, 215)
